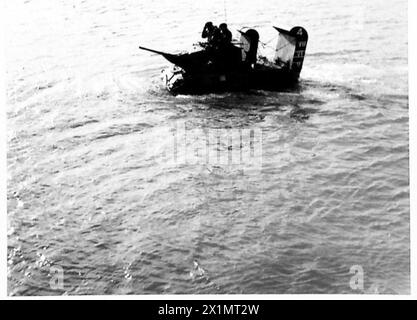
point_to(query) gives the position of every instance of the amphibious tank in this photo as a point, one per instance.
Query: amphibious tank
(237, 67)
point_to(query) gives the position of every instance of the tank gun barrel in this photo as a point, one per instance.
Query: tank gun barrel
(184, 61)
(154, 51)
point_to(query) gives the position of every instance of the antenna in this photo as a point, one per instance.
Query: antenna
(225, 11)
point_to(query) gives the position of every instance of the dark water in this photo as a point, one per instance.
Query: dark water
(91, 189)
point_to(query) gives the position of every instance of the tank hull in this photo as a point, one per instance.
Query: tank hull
(177, 81)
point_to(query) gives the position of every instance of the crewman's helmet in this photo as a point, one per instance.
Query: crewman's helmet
(208, 25)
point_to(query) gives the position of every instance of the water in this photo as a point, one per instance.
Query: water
(89, 125)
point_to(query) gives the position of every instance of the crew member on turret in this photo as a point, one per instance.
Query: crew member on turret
(219, 46)
(229, 55)
(212, 33)
(225, 34)
(207, 30)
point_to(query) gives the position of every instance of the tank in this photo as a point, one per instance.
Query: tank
(237, 67)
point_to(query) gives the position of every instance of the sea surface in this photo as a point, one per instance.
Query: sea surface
(98, 204)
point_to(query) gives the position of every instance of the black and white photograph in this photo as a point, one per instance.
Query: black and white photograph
(207, 148)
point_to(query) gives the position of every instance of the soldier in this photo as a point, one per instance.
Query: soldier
(207, 30)
(225, 34)
(212, 33)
